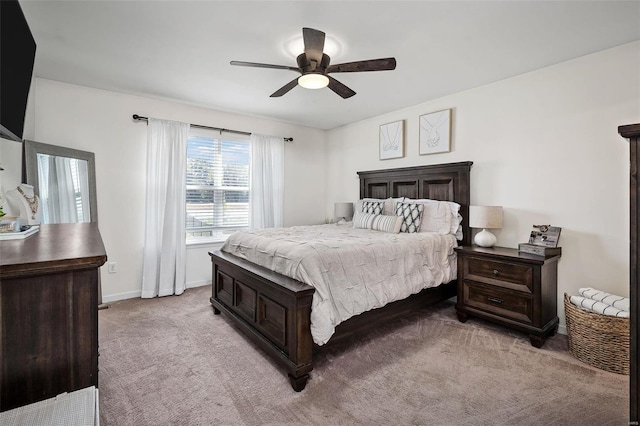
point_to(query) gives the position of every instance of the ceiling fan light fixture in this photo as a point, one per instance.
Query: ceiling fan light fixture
(313, 81)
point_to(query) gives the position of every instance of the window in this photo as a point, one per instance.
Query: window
(217, 185)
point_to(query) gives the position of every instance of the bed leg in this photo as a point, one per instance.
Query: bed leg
(298, 383)
(462, 317)
(216, 311)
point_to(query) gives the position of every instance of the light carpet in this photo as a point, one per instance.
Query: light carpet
(170, 361)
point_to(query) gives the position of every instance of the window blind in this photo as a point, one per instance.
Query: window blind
(217, 186)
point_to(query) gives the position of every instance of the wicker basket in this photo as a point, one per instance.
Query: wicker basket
(598, 340)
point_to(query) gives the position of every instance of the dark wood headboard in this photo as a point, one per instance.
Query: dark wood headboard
(444, 182)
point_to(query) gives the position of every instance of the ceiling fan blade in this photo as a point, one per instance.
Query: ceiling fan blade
(284, 89)
(313, 44)
(386, 64)
(257, 65)
(340, 88)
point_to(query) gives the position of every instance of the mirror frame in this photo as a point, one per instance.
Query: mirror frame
(31, 151)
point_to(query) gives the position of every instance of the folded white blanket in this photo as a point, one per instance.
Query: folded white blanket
(619, 302)
(598, 307)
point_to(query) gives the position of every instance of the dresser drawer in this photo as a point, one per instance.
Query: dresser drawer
(510, 275)
(499, 301)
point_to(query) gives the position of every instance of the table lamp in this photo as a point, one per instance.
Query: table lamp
(485, 217)
(343, 211)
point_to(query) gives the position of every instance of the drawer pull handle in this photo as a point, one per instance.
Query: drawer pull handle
(495, 300)
(496, 272)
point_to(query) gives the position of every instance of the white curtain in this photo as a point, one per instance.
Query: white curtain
(57, 190)
(163, 271)
(267, 181)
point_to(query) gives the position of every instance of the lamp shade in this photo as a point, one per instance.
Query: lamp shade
(485, 217)
(343, 210)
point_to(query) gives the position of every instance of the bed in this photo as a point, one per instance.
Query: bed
(274, 310)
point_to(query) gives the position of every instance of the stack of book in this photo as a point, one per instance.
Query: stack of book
(539, 250)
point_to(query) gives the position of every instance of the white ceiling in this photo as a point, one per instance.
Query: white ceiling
(180, 50)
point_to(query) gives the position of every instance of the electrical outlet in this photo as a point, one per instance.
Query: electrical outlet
(113, 267)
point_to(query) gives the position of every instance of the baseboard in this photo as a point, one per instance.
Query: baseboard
(200, 283)
(121, 296)
(137, 294)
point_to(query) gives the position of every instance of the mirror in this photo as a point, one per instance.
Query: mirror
(65, 181)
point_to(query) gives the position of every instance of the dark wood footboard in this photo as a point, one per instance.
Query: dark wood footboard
(272, 310)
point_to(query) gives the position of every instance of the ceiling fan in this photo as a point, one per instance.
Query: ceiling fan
(314, 66)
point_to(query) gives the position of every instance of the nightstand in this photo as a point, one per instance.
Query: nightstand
(518, 290)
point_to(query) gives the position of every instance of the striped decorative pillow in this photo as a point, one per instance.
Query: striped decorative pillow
(377, 222)
(387, 223)
(362, 220)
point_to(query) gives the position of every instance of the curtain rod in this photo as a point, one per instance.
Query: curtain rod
(199, 126)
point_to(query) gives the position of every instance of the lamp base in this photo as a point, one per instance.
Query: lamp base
(485, 238)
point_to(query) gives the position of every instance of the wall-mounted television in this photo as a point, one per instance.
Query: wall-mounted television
(17, 56)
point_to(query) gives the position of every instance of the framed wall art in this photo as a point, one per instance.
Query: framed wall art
(435, 132)
(392, 140)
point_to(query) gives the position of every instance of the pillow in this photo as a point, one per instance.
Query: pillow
(411, 214)
(456, 218)
(459, 235)
(373, 207)
(389, 204)
(362, 220)
(436, 217)
(387, 223)
(377, 222)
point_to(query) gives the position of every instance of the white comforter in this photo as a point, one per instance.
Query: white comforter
(352, 270)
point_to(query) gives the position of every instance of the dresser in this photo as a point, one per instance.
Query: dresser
(49, 313)
(502, 285)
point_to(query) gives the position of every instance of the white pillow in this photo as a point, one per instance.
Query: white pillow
(454, 210)
(459, 235)
(436, 217)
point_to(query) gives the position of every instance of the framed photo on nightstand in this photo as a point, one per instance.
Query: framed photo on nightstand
(543, 241)
(545, 235)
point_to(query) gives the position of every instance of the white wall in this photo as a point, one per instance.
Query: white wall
(100, 121)
(544, 145)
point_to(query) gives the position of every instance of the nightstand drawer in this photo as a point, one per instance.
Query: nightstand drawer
(510, 275)
(506, 303)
